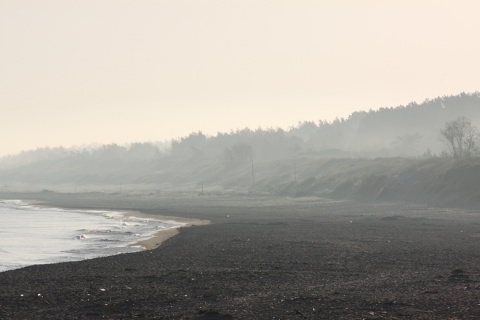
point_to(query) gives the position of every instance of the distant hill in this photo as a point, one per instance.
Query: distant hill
(389, 154)
(409, 130)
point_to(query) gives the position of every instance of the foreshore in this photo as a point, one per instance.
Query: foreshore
(263, 258)
(158, 238)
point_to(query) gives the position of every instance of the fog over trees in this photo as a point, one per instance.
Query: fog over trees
(461, 137)
(268, 159)
(390, 131)
(411, 130)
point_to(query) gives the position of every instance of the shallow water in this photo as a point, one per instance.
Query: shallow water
(33, 235)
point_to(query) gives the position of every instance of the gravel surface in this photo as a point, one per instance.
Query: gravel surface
(264, 258)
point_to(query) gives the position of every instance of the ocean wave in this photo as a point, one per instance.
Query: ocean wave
(97, 231)
(76, 234)
(109, 240)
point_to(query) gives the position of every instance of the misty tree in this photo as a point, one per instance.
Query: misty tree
(407, 143)
(189, 146)
(303, 130)
(237, 154)
(461, 137)
(142, 151)
(110, 151)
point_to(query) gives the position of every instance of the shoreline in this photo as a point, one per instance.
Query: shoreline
(265, 258)
(162, 235)
(155, 240)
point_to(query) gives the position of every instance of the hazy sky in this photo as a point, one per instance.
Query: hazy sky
(102, 71)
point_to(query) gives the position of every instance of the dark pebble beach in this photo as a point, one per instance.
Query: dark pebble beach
(264, 258)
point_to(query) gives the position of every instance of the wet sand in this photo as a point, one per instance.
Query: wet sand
(264, 258)
(159, 237)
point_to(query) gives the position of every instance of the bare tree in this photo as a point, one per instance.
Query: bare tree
(461, 137)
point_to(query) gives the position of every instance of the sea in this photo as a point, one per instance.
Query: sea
(31, 235)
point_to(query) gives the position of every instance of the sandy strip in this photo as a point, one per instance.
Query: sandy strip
(162, 235)
(157, 239)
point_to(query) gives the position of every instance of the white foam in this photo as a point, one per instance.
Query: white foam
(36, 235)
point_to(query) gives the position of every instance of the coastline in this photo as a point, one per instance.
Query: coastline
(159, 237)
(156, 239)
(264, 258)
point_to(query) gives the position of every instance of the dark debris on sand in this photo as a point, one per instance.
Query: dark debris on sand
(267, 258)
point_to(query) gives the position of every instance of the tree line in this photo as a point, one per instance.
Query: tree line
(441, 126)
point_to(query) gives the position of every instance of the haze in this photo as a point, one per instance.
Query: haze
(80, 72)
